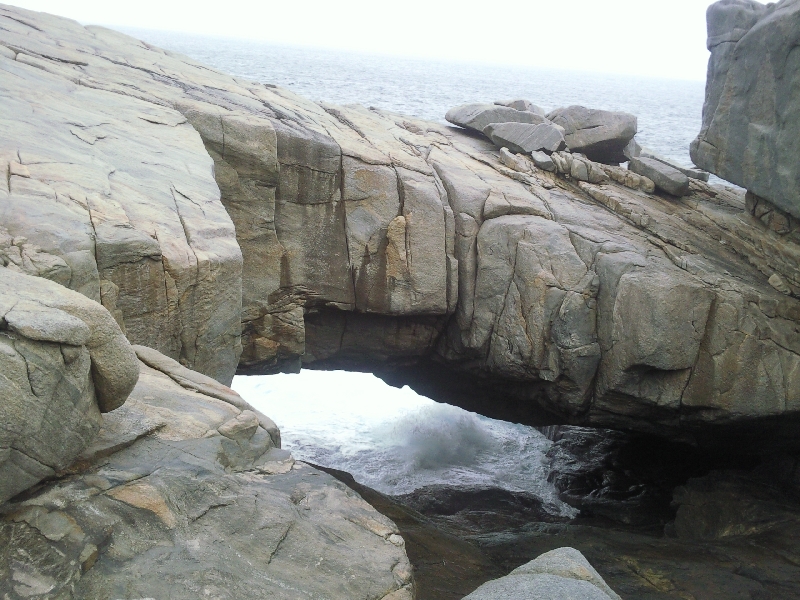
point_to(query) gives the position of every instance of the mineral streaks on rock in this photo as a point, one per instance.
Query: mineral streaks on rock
(599, 134)
(560, 573)
(190, 491)
(63, 361)
(116, 191)
(751, 117)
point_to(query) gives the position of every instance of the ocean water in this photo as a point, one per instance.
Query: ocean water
(669, 111)
(396, 441)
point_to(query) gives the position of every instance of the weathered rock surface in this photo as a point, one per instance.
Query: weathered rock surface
(478, 116)
(599, 134)
(184, 495)
(691, 173)
(664, 176)
(378, 242)
(561, 573)
(63, 361)
(751, 116)
(526, 137)
(522, 104)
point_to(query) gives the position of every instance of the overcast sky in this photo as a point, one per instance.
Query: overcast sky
(643, 37)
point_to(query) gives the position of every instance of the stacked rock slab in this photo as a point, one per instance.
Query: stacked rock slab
(64, 360)
(751, 116)
(665, 177)
(560, 573)
(374, 241)
(599, 134)
(184, 495)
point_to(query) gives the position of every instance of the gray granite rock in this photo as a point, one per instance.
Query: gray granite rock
(184, 495)
(665, 176)
(63, 361)
(478, 116)
(561, 574)
(543, 161)
(751, 131)
(690, 173)
(599, 134)
(521, 104)
(526, 137)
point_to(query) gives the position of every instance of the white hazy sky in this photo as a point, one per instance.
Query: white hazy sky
(642, 37)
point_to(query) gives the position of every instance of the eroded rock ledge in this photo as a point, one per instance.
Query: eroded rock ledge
(345, 236)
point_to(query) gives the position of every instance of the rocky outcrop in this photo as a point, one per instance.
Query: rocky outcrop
(374, 241)
(599, 134)
(750, 126)
(526, 137)
(64, 360)
(185, 495)
(560, 573)
(478, 117)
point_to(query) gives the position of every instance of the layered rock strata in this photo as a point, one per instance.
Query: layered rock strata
(184, 494)
(751, 115)
(371, 241)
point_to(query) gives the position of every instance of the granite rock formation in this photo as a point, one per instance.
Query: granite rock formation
(751, 117)
(183, 494)
(372, 241)
(64, 360)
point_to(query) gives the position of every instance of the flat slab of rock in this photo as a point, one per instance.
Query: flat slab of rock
(521, 104)
(599, 134)
(698, 174)
(527, 137)
(666, 177)
(478, 116)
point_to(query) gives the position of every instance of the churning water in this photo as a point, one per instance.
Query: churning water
(396, 441)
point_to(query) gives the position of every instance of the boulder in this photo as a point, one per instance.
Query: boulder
(478, 116)
(690, 173)
(190, 490)
(521, 104)
(64, 361)
(560, 573)
(599, 134)
(666, 177)
(526, 137)
(543, 161)
(751, 131)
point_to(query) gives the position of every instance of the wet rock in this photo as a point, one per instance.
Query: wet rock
(750, 128)
(599, 134)
(665, 177)
(526, 137)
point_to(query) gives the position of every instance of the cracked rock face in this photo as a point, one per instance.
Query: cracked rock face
(184, 495)
(354, 238)
(751, 116)
(63, 361)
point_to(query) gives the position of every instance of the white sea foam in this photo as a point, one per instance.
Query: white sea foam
(396, 441)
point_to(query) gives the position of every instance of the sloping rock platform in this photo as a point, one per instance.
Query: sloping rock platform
(183, 495)
(196, 206)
